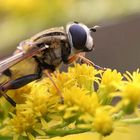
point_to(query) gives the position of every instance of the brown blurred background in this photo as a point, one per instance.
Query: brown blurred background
(117, 40)
(118, 44)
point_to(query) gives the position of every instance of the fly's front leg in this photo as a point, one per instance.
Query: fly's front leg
(70, 59)
(82, 58)
(77, 56)
(87, 61)
(17, 83)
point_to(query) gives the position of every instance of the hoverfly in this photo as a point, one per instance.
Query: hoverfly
(48, 49)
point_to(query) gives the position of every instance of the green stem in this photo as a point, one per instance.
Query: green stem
(118, 115)
(61, 125)
(53, 133)
(131, 121)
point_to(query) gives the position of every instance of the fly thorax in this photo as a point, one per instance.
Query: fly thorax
(53, 56)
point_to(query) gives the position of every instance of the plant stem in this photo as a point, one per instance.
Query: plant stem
(118, 115)
(53, 133)
(131, 121)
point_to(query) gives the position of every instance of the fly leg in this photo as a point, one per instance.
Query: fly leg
(71, 59)
(83, 59)
(15, 84)
(47, 70)
(8, 98)
(87, 61)
(58, 91)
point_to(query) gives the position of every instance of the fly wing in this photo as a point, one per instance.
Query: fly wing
(17, 57)
(10, 61)
(28, 48)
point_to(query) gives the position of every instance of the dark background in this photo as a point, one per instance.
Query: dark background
(118, 45)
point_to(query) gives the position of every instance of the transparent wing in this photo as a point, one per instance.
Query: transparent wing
(10, 61)
(15, 58)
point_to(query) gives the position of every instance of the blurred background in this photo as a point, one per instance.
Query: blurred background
(117, 40)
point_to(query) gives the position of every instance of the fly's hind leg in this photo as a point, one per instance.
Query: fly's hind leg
(15, 84)
(8, 98)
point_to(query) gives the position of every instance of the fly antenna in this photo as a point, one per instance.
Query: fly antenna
(94, 28)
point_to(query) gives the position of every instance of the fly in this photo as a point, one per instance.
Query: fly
(49, 49)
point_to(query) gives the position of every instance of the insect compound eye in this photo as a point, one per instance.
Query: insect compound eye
(78, 36)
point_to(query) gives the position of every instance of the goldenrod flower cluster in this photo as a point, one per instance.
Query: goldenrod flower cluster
(94, 100)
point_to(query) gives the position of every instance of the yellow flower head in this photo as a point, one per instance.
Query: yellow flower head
(110, 80)
(80, 100)
(103, 122)
(85, 75)
(62, 80)
(130, 92)
(23, 121)
(40, 113)
(135, 76)
(38, 103)
(130, 96)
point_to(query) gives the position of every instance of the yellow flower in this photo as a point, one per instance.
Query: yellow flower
(129, 92)
(81, 98)
(135, 76)
(103, 122)
(23, 121)
(38, 103)
(71, 112)
(132, 92)
(110, 82)
(62, 80)
(85, 76)
(40, 113)
(19, 94)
